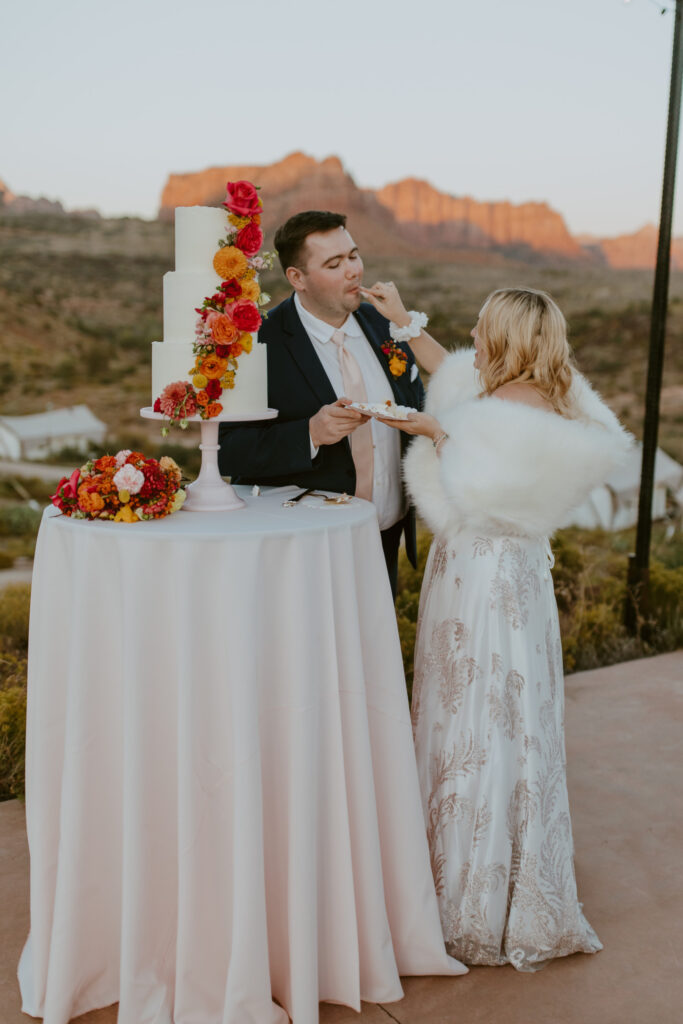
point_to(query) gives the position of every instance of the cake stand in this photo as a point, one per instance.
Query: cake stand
(209, 492)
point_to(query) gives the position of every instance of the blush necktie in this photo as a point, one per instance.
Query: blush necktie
(361, 438)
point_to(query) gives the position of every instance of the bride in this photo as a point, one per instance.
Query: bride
(512, 439)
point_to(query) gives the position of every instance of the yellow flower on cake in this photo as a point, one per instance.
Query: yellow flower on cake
(200, 381)
(229, 262)
(246, 342)
(238, 222)
(250, 290)
(228, 379)
(213, 367)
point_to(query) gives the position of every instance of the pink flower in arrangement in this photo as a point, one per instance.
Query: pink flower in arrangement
(129, 479)
(122, 456)
(242, 198)
(177, 400)
(249, 239)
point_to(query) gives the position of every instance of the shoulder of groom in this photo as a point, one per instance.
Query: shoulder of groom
(277, 319)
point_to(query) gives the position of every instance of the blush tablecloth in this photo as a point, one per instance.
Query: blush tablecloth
(222, 799)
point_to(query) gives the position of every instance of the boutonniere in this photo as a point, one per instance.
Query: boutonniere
(398, 360)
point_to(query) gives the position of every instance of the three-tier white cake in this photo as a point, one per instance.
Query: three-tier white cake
(198, 230)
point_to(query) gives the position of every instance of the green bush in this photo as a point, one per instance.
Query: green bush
(19, 521)
(12, 725)
(14, 611)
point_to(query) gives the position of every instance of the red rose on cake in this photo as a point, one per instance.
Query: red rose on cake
(243, 198)
(213, 389)
(249, 240)
(245, 315)
(231, 288)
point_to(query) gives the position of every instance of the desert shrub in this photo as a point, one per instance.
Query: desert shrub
(14, 612)
(666, 605)
(19, 521)
(12, 725)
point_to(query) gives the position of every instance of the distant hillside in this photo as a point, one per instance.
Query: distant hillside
(411, 216)
(81, 302)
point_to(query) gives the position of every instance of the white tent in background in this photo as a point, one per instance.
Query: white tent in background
(38, 434)
(614, 506)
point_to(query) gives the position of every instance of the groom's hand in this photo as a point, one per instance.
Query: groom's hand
(333, 422)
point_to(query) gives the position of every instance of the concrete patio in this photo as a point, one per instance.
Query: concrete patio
(625, 751)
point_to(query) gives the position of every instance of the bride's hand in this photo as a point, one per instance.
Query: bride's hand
(417, 423)
(386, 300)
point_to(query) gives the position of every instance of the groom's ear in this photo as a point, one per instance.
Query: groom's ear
(295, 276)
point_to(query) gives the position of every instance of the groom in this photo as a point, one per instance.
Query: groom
(325, 349)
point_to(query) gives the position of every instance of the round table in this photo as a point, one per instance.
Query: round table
(222, 800)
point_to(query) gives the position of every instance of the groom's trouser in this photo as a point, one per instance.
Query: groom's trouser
(390, 541)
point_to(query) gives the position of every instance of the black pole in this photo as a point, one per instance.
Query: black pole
(639, 564)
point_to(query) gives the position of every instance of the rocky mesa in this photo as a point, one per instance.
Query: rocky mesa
(398, 218)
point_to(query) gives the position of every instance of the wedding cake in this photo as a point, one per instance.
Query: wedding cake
(210, 362)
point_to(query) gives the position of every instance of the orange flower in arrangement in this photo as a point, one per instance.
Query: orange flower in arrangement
(89, 500)
(213, 409)
(236, 350)
(222, 328)
(229, 262)
(248, 275)
(105, 462)
(202, 398)
(397, 366)
(250, 290)
(213, 367)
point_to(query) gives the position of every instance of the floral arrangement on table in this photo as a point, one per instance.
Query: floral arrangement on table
(227, 319)
(126, 488)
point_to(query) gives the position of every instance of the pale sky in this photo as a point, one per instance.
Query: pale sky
(556, 100)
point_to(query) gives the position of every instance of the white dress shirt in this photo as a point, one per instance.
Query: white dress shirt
(387, 490)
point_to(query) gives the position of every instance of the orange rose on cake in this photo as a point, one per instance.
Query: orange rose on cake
(213, 366)
(223, 330)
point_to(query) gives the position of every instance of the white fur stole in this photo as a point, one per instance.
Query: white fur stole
(508, 467)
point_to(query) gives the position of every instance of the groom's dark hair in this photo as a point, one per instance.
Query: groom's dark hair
(291, 236)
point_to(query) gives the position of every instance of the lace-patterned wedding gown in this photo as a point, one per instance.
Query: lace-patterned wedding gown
(488, 712)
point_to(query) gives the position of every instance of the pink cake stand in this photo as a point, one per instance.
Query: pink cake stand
(209, 492)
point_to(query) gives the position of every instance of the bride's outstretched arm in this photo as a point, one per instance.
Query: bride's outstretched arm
(385, 298)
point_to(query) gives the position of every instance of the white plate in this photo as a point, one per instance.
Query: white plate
(380, 410)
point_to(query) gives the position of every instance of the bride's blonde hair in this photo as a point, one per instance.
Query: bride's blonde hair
(523, 336)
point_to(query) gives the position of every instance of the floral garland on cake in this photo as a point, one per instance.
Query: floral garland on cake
(126, 487)
(227, 319)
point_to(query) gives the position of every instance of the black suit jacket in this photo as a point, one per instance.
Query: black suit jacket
(277, 452)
